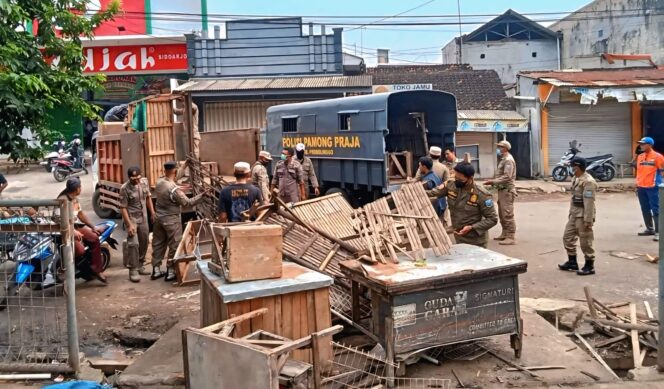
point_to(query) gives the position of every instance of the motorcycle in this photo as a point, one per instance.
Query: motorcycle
(65, 167)
(601, 167)
(57, 152)
(40, 265)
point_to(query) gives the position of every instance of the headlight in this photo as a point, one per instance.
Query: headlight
(22, 256)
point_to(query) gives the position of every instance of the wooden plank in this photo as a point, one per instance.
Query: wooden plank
(286, 316)
(239, 318)
(636, 351)
(514, 365)
(590, 301)
(610, 341)
(278, 321)
(329, 257)
(596, 355)
(269, 317)
(397, 164)
(257, 322)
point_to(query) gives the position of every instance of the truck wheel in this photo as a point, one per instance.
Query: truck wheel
(104, 213)
(344, 193)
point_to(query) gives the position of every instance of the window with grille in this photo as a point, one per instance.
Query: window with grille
(289, 124)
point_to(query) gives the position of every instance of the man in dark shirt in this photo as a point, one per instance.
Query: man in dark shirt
(239, 197)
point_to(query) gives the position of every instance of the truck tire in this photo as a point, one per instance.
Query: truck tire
(104, 213)
(338, 190)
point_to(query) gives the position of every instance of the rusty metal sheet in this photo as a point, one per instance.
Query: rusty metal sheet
(276, 83)
(295, 278)
(228, 147)
(463, 259)
(448, 315)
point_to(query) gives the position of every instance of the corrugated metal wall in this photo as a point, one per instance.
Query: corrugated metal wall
(229, 115)
(601, 129)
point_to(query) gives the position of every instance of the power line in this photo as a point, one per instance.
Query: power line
(398, 16)
(395, 16)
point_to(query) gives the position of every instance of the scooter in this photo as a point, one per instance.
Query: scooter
(600, 167)
(65, 167)
(57, 152)
(40, 265)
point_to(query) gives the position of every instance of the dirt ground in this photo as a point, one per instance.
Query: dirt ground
(154, 306)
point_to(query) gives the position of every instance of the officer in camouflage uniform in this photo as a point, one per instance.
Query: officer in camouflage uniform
(289, 177)
(259, 176)
(167, 231)
(506, 193)
(581, 219)
(135, 202)
(308, 171)
(471, 206)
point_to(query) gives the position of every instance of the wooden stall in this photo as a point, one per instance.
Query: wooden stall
(297, 304)
(470, 293)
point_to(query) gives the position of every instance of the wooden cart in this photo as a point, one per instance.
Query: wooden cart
(469, 294)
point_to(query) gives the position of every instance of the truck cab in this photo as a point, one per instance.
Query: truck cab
(365, 146)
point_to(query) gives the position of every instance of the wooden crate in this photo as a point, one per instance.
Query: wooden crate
(297, 304)
(109, 157)
(160, 142)
(248, 252)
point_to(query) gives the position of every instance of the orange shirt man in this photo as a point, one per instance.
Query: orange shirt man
(649, 167)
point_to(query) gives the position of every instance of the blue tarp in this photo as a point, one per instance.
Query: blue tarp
(78, 385)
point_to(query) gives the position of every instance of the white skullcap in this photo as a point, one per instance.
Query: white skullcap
(299, 147)
(242, 167)
(435, 151)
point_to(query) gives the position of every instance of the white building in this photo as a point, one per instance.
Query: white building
(508, 44)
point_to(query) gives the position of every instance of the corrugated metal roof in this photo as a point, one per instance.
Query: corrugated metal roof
(602, 77)
(227, 84)
(489, 115)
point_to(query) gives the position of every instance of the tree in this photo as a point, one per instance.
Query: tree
(43, 70)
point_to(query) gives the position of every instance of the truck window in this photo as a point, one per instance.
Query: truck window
(344, 122)
(289, 124)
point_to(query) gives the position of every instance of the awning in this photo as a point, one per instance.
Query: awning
(491, 121)
(275, 85)
(623, 95)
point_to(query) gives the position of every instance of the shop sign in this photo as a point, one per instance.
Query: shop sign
(400, 87)
(135, 59)
(492, 125)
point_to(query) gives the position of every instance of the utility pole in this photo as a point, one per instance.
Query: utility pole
(460, 36)
(660, 303)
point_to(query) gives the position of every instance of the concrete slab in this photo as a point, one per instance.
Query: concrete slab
(161, 365)
(542, 345)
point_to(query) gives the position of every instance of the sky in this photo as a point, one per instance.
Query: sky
(407, 44)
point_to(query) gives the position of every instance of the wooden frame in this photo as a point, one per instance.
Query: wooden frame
(396, 162)
(185, 255)
(215, 359)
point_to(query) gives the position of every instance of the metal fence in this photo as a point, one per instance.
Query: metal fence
(38, 329)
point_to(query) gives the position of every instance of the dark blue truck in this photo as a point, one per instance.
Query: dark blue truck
(365, 146)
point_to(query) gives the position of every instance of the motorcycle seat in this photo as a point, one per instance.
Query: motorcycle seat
(598, 157)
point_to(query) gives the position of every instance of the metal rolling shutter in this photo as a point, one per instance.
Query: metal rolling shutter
(230, 115)
(601, 129)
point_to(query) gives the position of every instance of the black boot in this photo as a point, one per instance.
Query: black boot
(588, 268)
(570, 265)
(170, 274)
(648, 221)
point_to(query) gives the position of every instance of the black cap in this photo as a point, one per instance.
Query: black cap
(170, 165)
(465, 168)
(77, 136)
(73, 183)
(580, 162)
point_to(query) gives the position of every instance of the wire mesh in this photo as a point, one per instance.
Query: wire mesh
(33, 310)
(354, 368)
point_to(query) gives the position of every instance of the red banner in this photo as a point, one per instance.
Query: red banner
(135, 59)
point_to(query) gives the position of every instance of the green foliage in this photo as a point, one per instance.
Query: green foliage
(31, 83)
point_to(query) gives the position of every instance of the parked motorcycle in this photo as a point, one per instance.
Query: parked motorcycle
(601, 167)
(39, 262)
(65, 167)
